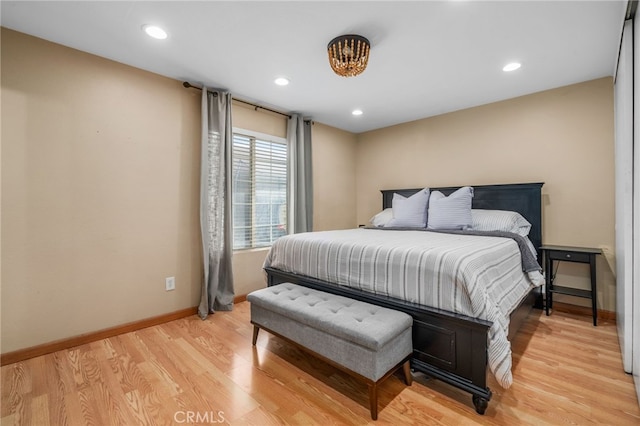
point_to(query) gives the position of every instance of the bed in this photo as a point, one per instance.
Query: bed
(457, 344)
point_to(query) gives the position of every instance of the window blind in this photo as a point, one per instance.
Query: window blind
(259, 191)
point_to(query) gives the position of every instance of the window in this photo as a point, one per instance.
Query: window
(259, 189)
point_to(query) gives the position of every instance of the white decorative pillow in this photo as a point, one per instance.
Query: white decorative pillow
(410, 212)
(382, 218)
(500, 220)
(452, 212)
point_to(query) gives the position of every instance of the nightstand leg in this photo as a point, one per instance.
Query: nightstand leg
(548, 298)
(594, 293)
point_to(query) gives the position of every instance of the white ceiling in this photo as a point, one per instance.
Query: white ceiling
(427, 57)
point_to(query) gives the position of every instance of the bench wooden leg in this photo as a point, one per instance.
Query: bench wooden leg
(408, 378)
(373, 400)
(256, 329)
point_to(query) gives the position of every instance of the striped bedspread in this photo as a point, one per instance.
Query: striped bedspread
(477, 276)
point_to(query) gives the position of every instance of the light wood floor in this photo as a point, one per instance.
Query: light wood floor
(565, 372)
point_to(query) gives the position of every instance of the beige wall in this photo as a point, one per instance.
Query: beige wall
(563, 137)
(334, 178)
(248, 118)
(100, 177)
(99, 193)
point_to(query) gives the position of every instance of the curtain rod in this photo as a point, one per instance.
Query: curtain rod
(188, 85)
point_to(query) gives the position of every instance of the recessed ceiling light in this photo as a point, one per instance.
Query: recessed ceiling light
(281, 81)
(511, 66)
(155, 32)
(356, 112)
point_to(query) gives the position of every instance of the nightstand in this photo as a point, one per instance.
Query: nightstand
(570, 254)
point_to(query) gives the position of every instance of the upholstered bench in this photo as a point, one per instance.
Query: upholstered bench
(366, 341)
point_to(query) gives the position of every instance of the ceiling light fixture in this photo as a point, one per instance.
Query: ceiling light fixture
(281, 81)
(348, 54)
(511, 66)
(155, 32)
(356, 112)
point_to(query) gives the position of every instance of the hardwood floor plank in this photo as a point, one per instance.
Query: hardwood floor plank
(224, 395)
(267, 391)
(71, 402)
(142, 410)
(54, 388)
(159, 376)
(65, 380)
(133, 345)
(16, 393)
(565, 372)
(91, 415)
(80, 377)
(40, 410)
(261, 416)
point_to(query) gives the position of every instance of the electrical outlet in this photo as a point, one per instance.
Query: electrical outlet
(170, 283)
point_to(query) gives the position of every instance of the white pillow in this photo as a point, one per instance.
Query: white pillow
(452, 212)
(500, 220)
(410, 212)
(382, 218)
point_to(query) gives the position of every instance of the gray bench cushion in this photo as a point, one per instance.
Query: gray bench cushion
(362, 323)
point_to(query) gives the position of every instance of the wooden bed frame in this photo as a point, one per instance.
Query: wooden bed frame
(446, 345)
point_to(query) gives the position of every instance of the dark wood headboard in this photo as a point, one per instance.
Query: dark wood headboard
(524, 198)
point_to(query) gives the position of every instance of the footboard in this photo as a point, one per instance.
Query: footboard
(454, 350)
(448, 346)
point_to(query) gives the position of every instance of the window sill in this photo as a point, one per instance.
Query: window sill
(251, 250)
